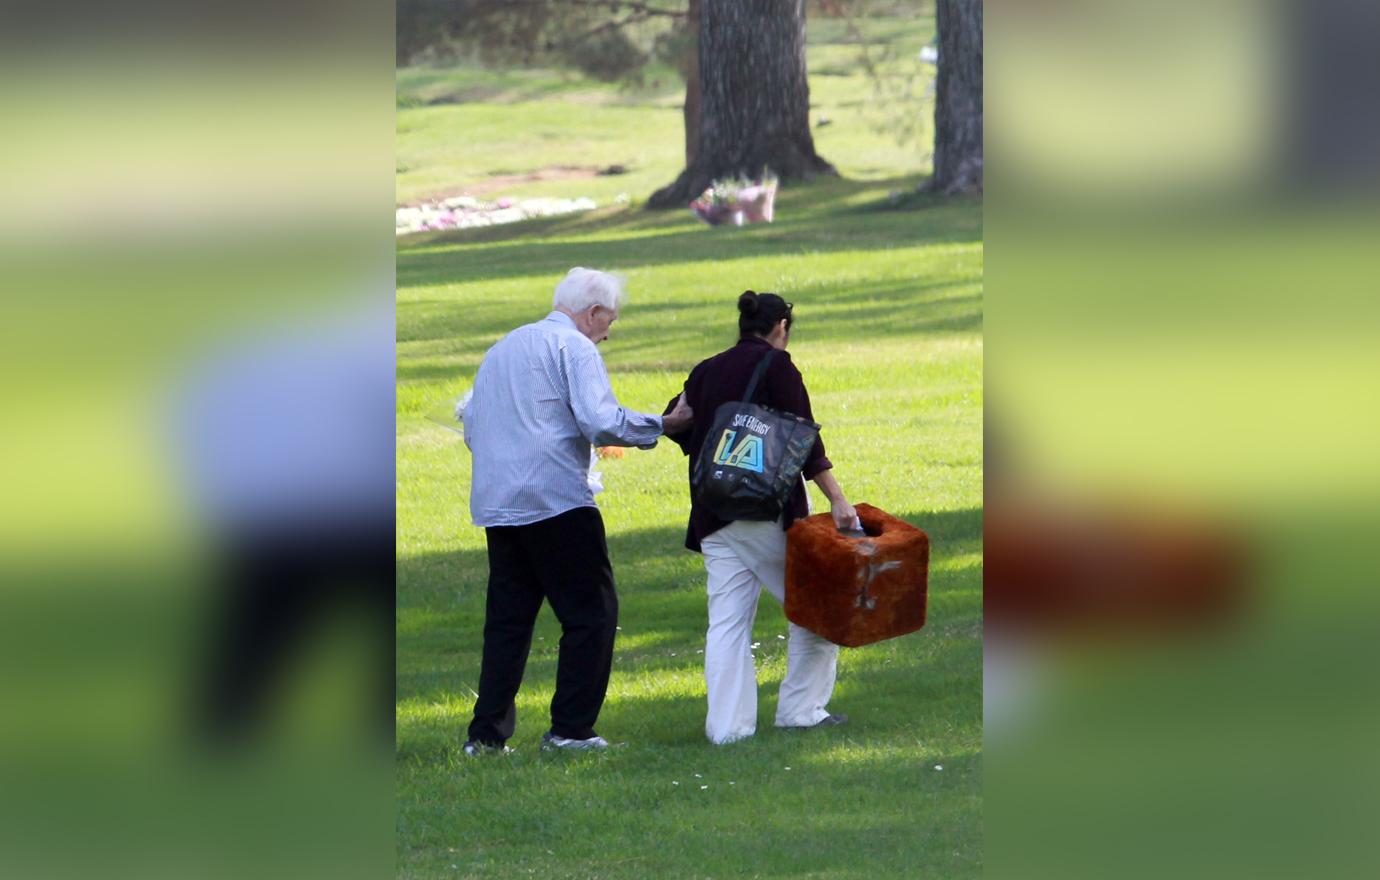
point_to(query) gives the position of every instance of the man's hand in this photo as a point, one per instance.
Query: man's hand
(678, 419)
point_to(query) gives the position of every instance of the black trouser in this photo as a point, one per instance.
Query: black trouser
(565, 560)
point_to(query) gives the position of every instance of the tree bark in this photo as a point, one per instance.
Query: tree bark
(958, 99)
(692, 85)
(754, 98)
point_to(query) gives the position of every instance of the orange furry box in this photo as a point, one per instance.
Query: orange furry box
(610, 452)
(856, 591)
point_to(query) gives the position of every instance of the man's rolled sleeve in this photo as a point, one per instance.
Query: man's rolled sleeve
(600, 417)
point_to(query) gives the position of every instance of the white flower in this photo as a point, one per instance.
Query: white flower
(506, 215)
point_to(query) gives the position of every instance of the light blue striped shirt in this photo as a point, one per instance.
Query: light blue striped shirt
(541, 397)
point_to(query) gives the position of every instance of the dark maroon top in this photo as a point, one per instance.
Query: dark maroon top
(724, 378)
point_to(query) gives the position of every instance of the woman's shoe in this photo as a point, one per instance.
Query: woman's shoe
(831, 720)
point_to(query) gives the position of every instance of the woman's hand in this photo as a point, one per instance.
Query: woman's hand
(845, 517)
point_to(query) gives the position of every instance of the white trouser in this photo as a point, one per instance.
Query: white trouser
(740, 559)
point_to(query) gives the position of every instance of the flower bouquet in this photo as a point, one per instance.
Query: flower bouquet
(737, 201)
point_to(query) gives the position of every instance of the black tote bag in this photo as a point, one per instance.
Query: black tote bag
(751, 458)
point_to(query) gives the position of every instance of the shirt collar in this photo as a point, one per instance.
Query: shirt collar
(754, 340)
(562, 318)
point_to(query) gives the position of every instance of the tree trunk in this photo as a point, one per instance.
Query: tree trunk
(692, 85)
(958, 99)
(754, 98)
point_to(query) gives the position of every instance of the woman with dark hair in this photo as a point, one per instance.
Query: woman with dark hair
(742, 557)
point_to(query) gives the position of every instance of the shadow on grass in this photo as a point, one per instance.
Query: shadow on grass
(440, 603)
(858, 801)
(812, 218)
(677, 334)
(455, 580)
(678, 331)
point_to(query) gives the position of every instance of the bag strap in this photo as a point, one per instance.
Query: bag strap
(757, 375)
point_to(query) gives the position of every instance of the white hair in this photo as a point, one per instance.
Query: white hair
(582, 288)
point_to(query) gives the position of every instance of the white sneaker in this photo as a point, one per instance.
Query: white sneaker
(549, 742)
(826, 721)
(474, 748)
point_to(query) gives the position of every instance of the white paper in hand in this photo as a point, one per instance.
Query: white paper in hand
(595, 478)
(450, 415)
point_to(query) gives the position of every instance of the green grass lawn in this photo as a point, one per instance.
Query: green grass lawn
(888, 335)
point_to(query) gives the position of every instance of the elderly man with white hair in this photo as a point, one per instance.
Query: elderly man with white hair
(540, 399)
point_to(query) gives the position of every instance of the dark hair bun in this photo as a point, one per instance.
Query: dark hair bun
(760, 312)
(747, 303)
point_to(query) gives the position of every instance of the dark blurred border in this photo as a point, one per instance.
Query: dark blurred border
(196, 538)
(1182, 486)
